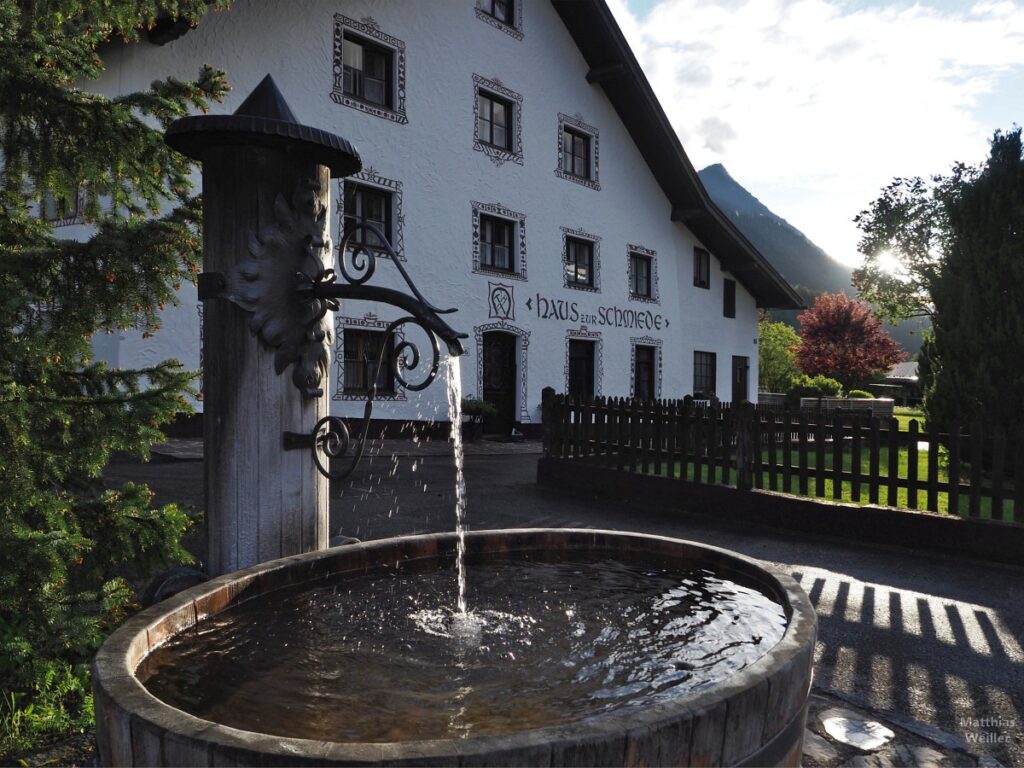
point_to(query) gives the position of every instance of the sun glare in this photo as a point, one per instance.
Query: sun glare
(889, 262)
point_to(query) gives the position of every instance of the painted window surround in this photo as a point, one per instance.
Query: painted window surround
(595, 240)
(518, 220)
(513, 30)
(368, 28)
(498, 155)
(371, 178)
(651, 254)
(575, 122)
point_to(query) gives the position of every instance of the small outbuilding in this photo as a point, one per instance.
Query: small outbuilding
(901, 384)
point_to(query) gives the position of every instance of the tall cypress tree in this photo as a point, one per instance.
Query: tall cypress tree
(974, 361)
(67, 543)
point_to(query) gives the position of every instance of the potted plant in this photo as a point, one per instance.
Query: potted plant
(473, 413)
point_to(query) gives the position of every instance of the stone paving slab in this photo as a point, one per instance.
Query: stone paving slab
(909, 746)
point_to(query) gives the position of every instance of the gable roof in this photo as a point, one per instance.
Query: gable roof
(614, 67)
(903, 372)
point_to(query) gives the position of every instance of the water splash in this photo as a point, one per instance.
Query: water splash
(454, 387)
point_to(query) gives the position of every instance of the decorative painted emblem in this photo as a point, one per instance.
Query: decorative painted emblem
(501, 301)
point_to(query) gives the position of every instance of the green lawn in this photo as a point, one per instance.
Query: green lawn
(905, 415)
(900, 498)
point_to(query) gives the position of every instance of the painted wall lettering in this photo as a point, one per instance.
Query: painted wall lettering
(557, 309)
(609, 316)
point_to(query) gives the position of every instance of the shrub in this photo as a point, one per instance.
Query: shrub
(472, 407)
(60, 703)
(813, 386)
(72, 548)
(776, 356)
(859, 393)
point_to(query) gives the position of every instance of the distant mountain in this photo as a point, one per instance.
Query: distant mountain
(804, 265)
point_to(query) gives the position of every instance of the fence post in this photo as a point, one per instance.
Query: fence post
(547, 401)
(744, 446)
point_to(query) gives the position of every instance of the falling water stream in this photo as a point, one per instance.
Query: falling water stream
(454, 387)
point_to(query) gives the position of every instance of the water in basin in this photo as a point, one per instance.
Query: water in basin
(385, 656)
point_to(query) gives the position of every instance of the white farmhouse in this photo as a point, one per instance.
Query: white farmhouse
(518, 160)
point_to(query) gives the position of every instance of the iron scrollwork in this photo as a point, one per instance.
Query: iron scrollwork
(289, 292)
(331, 435)
(357, 262)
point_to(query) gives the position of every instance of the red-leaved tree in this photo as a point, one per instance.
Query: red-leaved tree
(841, 338)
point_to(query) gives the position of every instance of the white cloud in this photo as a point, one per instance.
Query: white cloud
(814, 106)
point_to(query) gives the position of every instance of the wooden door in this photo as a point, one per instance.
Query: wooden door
(740, 371)
(499, 375)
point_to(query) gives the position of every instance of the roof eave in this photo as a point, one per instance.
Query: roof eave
(614, 67)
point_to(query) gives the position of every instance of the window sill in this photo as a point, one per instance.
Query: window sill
(509, 29)
(582, 287)
(497, 147)
(348, 395)
(368, 103)
(644, 299)
(369, 107)
(498, 272)
(67, 221)
(498, 155)
(581, 180)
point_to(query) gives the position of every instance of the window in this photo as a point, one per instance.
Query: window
(502, 10)
(640, 275)
(581, 369)
(368, 205)
(497, 129)
(579, 262)
(362, 354)
(499, 240)
(701, 268)
(506, 15)
(63, 209)
(367, 71)
(704, 364)
(496, 243)
(643, 372)
(494, 120)
(575, 153)
(729, 298)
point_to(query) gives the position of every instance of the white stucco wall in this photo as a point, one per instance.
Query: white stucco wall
(433, 157)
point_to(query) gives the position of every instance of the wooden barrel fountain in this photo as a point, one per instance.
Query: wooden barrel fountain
(753, 717)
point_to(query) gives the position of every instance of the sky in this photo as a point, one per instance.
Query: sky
(815, 105)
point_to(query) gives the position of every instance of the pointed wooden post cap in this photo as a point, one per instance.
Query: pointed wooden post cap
(264, 120)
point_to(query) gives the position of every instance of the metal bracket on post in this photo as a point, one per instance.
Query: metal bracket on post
(296, 441)
(211, 285)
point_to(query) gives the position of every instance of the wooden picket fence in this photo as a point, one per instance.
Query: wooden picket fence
(843, 456)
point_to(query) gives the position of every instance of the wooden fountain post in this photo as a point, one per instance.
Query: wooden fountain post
(265, 199)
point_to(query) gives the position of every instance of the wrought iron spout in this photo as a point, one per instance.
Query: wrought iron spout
(357, 262)
(426, 315)
(320, 288)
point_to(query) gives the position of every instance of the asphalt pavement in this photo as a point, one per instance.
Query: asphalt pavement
(930, 645)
